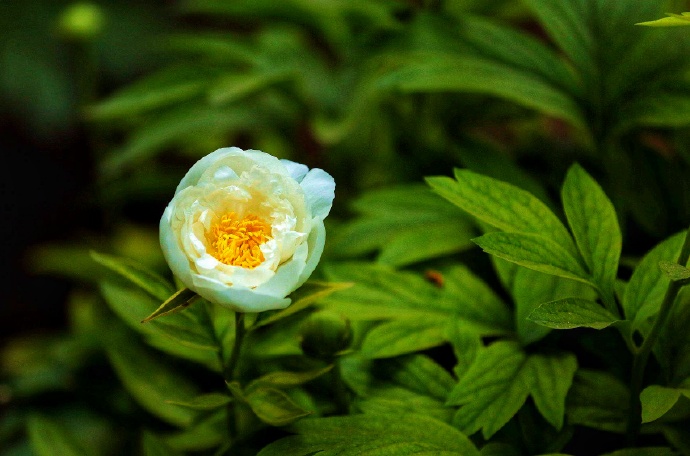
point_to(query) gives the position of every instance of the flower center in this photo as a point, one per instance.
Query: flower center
(237, 241)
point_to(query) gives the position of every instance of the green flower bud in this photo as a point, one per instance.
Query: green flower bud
(81, 21)
(324, 335)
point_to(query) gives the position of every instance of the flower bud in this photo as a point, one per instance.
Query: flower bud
(324, 335)
(81, 21)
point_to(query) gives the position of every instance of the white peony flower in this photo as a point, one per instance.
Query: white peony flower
(245, 229)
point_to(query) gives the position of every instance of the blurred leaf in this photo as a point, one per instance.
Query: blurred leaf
(49, 438)
(287, 379)
(672, 20)
(499, 381)
(150, 381)
(646, 451)
(165, 88)
(535, 252)
(658, 400)
(208, 401)
(674, 271)
(452, 73)
(154, 446)
(205, 433)
(598, 400)
(572, 313)
(137, 274)
(187, 334)
(373, 434)
(593, 221)
(406, 224)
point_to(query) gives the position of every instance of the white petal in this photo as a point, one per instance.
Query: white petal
(239, 299)
(197, 170)
(319, 190)
(316, 242)
(177, 260)
(296, 170)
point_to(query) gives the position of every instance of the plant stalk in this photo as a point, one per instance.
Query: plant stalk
(642, 355)
(236, 347)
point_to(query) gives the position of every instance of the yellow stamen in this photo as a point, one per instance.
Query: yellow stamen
(237, 242)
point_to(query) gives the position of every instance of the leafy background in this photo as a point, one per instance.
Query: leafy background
(97, 131)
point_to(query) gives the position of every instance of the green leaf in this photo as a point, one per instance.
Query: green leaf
(499, 380)
(49, 438)
(273, 406)
(648, 283)
(502, 205)
(302, 298)
(373, 434)
(420, 374)
(150, 381)
(178, 301)
(184, 334)
(593, 221)
(553, 376)
(137, 274)
(572, 313)
(646, 451)
(207, 401)
(393, 220)
(445, 72)
(287, 379)
(598, 400)
(399, 337)
(673, 20)
(154, 446)
(531, 289)
(674, 271)
(658, 400)
(206, 433)
(535, 252)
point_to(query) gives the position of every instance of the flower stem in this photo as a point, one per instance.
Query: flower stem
(342, 401)
(236, 347)
(642, 354)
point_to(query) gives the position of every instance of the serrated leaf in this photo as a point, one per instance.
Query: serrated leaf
(302, 298)
(393, 219)
(594, 224)
(674, 271)
(137, 274)
(48, 438)
(502, 205)
(572, 313)
(499, 381)
(648, 283)
(178, 301)
(535, 252)
(400, 337)
(207, 401)
(373, 434)
(273, 406)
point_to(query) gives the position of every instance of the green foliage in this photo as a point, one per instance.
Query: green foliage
(373, 434)
(409, 340)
